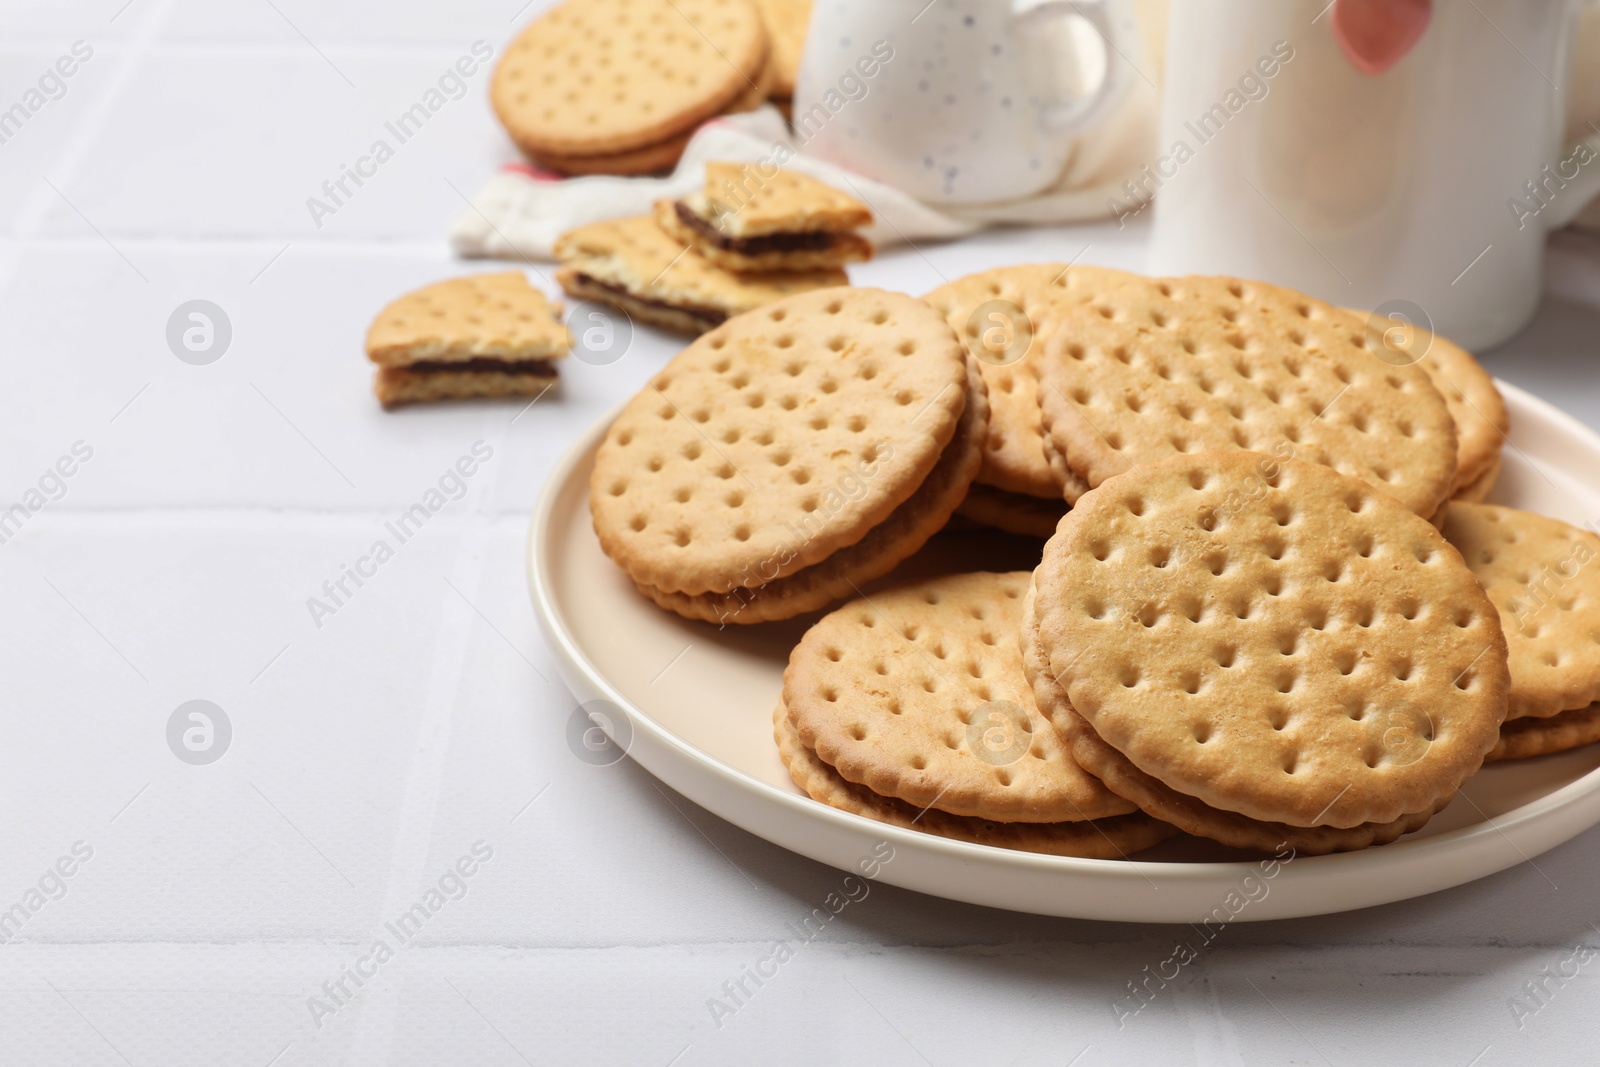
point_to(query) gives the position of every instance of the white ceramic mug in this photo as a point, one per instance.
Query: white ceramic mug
(1427, 190)
(960, 101)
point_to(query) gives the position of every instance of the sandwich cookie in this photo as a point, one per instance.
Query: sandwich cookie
(1246, 646)
(486, 335)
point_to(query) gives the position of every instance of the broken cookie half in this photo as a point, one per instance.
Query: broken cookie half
(756, 217)
(486, 335)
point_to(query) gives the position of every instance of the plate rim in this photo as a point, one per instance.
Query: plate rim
(575, 664)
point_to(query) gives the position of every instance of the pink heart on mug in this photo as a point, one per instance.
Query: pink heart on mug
(1374, 35)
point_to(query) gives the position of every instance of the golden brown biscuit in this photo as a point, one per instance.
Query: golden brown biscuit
(651, 159)
(1325, 657)
(632, 264)
(1004, 316)
(842, 574)
(1482, 421)
(1479, 489)
(755, 217)
(1166, 366)
(1523, 738)
(1030, 516)
(483, 335)
(599, 77)
(1185, 812)
(1115, 837)
(482, 316)
(401, 385)
(918, 693)
(1544, 578)
(777, 439)
(787, 22)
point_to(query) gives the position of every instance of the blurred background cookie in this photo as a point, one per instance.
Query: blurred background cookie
(616, 86)
(749, 220)
(787, 22)
(634, 265)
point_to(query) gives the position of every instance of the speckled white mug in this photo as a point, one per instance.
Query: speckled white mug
(1425, 192)
(960, 101)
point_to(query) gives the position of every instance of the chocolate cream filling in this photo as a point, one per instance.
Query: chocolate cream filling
(754, 246)
(708, 315)
(541, 367)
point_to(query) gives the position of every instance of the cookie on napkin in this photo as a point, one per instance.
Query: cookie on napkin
(633, 265)
(749, 221)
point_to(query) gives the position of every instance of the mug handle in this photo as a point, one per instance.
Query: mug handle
(1114, 21)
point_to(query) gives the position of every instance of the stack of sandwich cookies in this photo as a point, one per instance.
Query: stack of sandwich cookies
(482, 336)
(1003, 316)
(618, 86)
(632, 264)
(1544, 577)
(1479, 411)
(841, 576)
(1524, 738)
(1162, 367)
(1265, 651)
(911, 707)
(747, 221)
(778, 440)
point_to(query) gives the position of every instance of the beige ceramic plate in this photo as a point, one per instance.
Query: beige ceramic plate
(693, 705)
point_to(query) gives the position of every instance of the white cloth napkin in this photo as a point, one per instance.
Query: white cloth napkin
(521, 211)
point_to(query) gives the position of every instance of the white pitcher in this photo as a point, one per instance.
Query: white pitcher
(1426, 190)
(961, 101)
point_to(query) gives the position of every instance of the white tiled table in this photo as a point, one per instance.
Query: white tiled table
(369, 754)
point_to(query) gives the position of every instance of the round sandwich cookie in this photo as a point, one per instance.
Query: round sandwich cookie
(1544, 578)
(1030, 516)
(1478, 490)
(841, 575)
(1113, 837)
(1268, 638)
(1171, 366)
(592, 78)
(777, 439)
(1524, 738)
(1482, 421)
(652, 158)
(918, 693)
(1003, 316)
(1190, 815)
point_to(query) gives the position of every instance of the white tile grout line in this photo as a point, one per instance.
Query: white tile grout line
(419, 806)
(37, 206)
(379, 1005)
